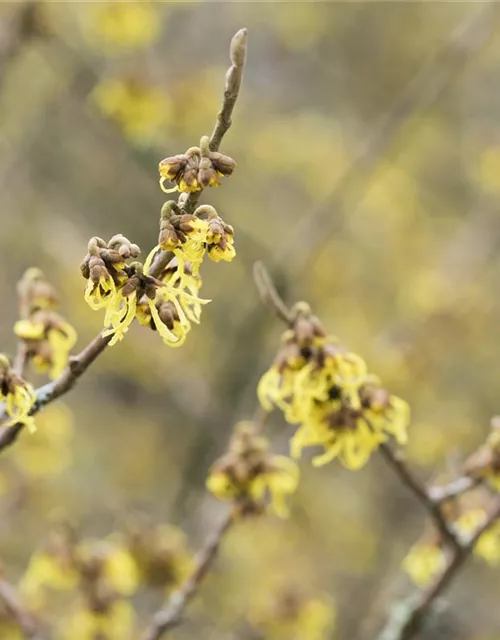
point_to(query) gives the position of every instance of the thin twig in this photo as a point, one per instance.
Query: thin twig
(407, 617)
(453, 489)
(234, 76)
(21, 359)
(23, 619)
(80, 363)
(268, 293)
(171, 615)
(396, 462)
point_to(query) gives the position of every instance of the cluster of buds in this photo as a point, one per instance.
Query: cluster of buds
(329, 393)
(189, 236)
(104, 268)
(484, 464)
(293, 615)
(161, 554)
(248, 475)
(101, 573)
(196, 169)
(17, 395)
(427, 559)
(47, 336)
(115, 285)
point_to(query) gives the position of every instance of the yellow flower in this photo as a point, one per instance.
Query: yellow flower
(196, 169)
(488, 545)
(290, 616)
(343, 436)
(175, 303)
(116, 622)
(18, 395)
(248, 473)
(165, 314)
(46, 572)
(99, 294)
(117, 26)
(120, 314)
(424, 562)
(49, 341)
(162, 555)
(112, 563)
(276, 388)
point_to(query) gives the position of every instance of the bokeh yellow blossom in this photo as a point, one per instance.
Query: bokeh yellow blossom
(140, 110)
(290, 615)
(248, 474)
(115, 27)
(425, 560)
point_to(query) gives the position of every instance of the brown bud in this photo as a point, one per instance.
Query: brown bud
(171, 167)
(221, 163)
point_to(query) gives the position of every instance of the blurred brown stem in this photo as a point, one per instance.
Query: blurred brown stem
(23, 619)
(80, 363)
(171, 615)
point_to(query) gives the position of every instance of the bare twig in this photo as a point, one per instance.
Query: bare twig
(79, 364)
(407, 617)
(396, 462)
(234, 76)
(23, 619)
(269, 294)
(453, 489)
(171, 615)
(21, 359)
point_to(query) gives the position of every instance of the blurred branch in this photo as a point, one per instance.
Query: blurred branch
(23, 619)
(453, 489)
(268, 293)
(80, 363)
(21, 359)
(406, 617)
(171, 615)
(396, 462)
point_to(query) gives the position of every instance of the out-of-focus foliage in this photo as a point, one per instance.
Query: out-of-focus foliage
(402, 265)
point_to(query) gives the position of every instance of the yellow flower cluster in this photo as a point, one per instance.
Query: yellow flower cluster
(88, 583)
(328, 392)
(196, 169)
(248, 474)
(161, 555)
(425, 560)
(47, 336)
(290, 615)
(17, 395)
(169, 303)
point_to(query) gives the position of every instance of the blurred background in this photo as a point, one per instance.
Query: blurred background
(367, 137)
